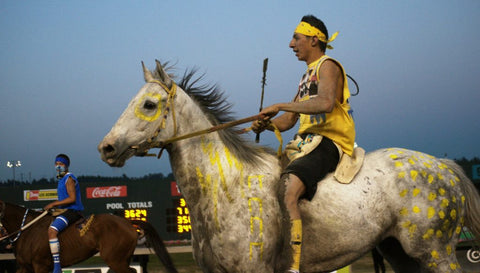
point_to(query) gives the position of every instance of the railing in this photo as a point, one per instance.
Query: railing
(138, 251)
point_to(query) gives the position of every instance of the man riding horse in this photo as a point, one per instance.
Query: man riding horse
(326, 127)
(70, 203)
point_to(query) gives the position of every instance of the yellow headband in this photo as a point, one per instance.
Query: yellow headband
(309, 30)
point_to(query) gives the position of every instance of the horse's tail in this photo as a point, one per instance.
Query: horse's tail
(472, 199)
(153, 240)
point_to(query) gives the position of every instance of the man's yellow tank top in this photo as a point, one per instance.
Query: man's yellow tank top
(337, 125)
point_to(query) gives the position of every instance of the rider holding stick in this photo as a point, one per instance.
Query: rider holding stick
(70, 204)
(326, 127)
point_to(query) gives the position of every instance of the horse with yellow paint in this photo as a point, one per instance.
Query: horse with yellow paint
(408, 204)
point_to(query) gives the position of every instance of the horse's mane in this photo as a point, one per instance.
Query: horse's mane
(213, 103)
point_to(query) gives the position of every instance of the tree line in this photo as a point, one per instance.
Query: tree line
(466, 164)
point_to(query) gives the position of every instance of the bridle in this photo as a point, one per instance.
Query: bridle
(150, 143)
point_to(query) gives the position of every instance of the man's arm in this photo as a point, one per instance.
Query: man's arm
(330, 85)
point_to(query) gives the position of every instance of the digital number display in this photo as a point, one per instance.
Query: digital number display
(136, 214)
(179, 216)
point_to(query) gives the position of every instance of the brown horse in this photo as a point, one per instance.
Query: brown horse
(113, 236)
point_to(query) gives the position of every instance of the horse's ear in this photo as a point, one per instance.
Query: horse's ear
(147, 74)
(162, 74)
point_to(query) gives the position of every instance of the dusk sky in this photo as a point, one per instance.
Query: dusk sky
(69, 68)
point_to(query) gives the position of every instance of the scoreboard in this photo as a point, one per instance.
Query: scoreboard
(178, 217)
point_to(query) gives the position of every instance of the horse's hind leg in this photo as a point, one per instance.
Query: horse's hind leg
(393, 252)
(436, 259)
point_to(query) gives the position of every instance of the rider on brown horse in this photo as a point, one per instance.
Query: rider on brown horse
(69, 200)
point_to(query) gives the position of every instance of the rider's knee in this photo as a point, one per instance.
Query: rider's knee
(52, 233)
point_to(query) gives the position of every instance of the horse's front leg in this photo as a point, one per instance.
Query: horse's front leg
(37, 268)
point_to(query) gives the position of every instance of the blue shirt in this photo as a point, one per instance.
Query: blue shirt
(63, 193)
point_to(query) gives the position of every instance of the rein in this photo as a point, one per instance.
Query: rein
(22, 226)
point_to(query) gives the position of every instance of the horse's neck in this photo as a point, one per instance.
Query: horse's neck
(13, 217)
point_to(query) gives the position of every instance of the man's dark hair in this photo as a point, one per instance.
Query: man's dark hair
(314, 21)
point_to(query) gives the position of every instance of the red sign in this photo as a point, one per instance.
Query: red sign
(174, 189)
(106, 192)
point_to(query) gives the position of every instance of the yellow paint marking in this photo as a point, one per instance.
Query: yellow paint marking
(401, 174)
(427, 165)
(434, 254)
(413, 175)
(432, 265)
(440, 176)
(463, 199)
(215, 204)
(403, 193)
(453, 266)
(441, 191)
(257, 177)
(428, 234)
(411, 161)
(424, 173)
(430, 212)
(201, 181)
(141, 102)
(458, 230)
(416, 209)
(404, 211)
(256, 245)
(432, 196)
(457, 179)
(398, 164)
(255, 199)
(439, 234)
(416, 191)
(453, 214)
(452, 182)
(454, 199)
(254, 219)
(449, 249)
(393, 156)
(444, 203)
(411, 230)
(446, 225)
(430, 179)
(442, 166)
(441, 214)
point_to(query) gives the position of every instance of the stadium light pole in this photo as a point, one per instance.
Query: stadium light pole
(14, 164)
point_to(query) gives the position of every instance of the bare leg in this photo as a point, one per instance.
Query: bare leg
(295, 189)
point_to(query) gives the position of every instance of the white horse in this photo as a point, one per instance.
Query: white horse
(410, 205)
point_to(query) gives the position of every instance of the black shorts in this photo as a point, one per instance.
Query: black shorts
(72, 215)
(314, 166)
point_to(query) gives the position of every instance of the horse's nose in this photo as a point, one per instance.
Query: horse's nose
(106, 149)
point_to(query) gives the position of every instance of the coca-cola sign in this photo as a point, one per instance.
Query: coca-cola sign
(106, 192)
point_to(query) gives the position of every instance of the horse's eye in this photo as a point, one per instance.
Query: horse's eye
(149, 105)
